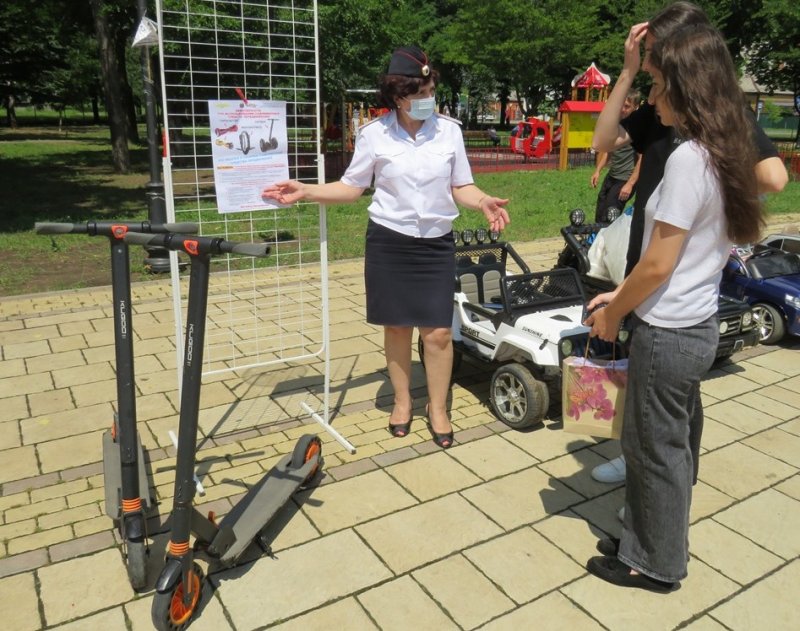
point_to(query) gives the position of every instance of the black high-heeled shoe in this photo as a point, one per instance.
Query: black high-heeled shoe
(441, 439)
(400, 430)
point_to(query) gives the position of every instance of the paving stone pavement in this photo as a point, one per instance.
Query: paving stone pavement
(491, 534)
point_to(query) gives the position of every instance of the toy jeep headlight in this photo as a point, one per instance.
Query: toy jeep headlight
(481, 234)
(747, 319)
(623, 335)
(494, 236)
(577, 217)
(566, 347)
(723, 327)
(467, 236)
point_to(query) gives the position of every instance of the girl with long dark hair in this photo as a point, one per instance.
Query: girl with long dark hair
(645, 133)
(707, 199)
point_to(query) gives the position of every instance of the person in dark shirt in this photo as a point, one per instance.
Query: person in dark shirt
(623, 164)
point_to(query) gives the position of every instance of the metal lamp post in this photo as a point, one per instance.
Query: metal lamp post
(157, 259)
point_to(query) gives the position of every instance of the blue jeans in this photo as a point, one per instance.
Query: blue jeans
(661, 443)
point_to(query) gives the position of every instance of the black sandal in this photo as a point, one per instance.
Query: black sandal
(616, 572)
(400, 430)
(444, 439)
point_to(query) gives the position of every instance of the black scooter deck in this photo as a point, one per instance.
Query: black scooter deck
(252, 513)
(113, 478)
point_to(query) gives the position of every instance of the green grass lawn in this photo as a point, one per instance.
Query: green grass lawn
(539, 206)
(52, 175)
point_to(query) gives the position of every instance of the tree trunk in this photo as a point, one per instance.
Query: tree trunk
(95, 108)
(127, 92)
(115, 102)
(797, 110)
(11, 111)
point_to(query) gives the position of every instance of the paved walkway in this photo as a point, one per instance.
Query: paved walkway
(492, 534)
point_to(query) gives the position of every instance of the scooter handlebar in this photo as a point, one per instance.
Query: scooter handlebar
(111, 228)
(42, 227)
(185, 228)
(138, 238)
(250, 249)
(197, 245)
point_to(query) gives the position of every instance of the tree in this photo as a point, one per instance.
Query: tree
(774, 57)
(374, 28)
(114, 87)
(48, 56)
(533, 48)
(351, 61)
(30, 45)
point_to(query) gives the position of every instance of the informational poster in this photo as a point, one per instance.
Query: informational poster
(249, 150)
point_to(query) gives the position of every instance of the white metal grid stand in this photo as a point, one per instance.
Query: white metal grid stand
(260, 313)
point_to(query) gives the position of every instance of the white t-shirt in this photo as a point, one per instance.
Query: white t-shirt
(413, 177)
(689, 198)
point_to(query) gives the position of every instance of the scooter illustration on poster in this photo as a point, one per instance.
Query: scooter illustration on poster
(249, 149)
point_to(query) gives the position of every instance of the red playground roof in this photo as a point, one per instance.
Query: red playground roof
(592, 78)
(581, 106)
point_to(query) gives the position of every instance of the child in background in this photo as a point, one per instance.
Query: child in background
(623, 170)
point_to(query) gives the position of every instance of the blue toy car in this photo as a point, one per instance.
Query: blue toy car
(769, 280)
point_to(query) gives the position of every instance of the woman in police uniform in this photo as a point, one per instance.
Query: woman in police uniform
(420, 171)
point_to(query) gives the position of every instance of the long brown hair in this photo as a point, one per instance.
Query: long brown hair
(702, 89)
(673, 17)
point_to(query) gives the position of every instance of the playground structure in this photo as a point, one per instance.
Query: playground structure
(533, 144)
(578, 116)
(536, 139)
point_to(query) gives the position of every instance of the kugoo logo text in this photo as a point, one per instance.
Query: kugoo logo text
(189, 344)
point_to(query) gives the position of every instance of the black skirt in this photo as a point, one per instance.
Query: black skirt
(410, 281)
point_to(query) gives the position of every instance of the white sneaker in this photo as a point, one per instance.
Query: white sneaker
(611, 472)
(621, 514)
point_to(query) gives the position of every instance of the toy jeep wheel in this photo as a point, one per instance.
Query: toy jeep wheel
(457, 356)
(517, 397)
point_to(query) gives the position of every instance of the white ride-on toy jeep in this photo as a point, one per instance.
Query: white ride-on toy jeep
(525, 323)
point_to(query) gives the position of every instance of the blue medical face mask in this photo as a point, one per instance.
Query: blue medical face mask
(422, 109)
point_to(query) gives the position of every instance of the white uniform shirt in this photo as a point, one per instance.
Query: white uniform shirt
(689, 198)
(413, 177)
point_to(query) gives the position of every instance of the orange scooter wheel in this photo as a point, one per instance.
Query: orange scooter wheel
(169, 612)
(307, 448)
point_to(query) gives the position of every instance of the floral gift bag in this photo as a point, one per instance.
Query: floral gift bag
(593, 396)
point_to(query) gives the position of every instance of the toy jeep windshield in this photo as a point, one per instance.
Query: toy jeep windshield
(522, 322)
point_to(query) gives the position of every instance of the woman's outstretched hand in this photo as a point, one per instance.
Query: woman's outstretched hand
(286, 192)
(495, 213)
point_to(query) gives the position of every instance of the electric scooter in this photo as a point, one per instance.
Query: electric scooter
(125, 478)
(179, 586)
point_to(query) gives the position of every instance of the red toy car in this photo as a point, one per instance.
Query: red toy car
(531, 138)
